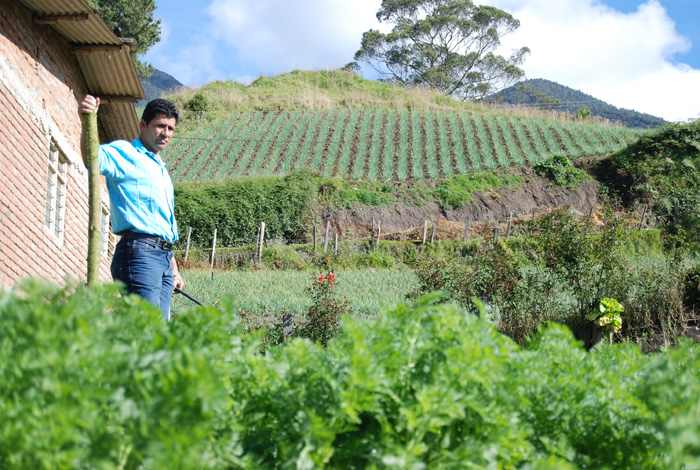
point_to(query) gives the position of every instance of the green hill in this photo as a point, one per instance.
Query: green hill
(339, 124)
(570, 101)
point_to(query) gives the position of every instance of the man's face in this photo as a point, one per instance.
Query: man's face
(156, 134)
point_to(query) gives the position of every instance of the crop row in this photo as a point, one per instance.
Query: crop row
(381, 144)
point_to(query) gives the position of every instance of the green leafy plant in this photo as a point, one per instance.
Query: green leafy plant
(560, 170)
(608, 316)
(92, 378)
(197, 105)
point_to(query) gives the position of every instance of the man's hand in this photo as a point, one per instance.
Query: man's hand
(178, 282)
(89, 104)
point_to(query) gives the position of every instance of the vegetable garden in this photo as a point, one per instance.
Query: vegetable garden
(380, 144)
(92, 380)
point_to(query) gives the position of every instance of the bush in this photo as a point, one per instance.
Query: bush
(237, 207)
(560, 170)
(661, 169)
(94, 380)
(198, 105)
(563, 269)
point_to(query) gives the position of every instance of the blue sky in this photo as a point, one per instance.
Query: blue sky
(634, 54)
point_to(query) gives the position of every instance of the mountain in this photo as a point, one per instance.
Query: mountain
(158, 85)
(539, 92)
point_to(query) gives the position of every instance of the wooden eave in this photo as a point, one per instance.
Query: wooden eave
(104, 60)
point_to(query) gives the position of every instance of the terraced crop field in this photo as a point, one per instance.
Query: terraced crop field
(380, 144)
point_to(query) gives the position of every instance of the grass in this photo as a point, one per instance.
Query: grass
(254, 291)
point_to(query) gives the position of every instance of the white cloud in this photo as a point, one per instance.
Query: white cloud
(192, 62)
(277, 36)
(626, 60)
(623, 59)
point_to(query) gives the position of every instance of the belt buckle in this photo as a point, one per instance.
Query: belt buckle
(167, 246)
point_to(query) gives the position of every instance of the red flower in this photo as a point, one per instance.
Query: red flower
(331, 276)
(331, 282)
(320, 278)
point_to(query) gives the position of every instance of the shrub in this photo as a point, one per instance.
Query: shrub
(560, 170)
(197, 105)
(323, 319)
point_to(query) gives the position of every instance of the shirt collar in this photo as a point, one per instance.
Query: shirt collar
(138, 145)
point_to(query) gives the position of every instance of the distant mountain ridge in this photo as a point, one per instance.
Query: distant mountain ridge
(158, 85)
(571, 100)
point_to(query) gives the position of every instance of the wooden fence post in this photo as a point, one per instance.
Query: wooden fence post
(325, 239)
(432, 235)
(379, 232)
(335, 244)
(314, 238)
(213, 253)
(496, 231)
(510, 222)
(466, 229)
(262, 240)
(644, 217)
(590, 216)
(425, 231)
(187, 249)
(371, 240)
(286, 326)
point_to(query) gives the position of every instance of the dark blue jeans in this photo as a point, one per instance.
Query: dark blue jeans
(146, 270)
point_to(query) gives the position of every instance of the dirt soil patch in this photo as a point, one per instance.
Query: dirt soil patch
(406, 222)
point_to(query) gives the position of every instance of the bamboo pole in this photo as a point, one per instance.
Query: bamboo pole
(91, 150)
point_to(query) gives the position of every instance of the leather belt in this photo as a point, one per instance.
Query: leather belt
(159, 242)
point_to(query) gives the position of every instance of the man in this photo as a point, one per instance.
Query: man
(142, 206)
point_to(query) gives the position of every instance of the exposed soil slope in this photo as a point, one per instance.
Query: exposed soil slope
(536, 195)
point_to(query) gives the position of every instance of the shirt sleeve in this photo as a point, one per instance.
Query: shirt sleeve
(116, 160)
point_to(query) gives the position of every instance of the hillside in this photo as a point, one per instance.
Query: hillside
(159, 84)
(571, 100)
(338, 124)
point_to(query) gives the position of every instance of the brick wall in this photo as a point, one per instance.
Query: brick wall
(40, 87)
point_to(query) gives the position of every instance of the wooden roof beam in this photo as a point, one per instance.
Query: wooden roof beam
(109, 99)
(85, 49)
(55, 19)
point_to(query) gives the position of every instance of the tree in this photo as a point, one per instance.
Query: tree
(445, 44)
(132, 19)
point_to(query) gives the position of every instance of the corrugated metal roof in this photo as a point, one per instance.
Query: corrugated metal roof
(104, 60)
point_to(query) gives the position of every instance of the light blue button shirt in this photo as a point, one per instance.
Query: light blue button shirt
(140, 190)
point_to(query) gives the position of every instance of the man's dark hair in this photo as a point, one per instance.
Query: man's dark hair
(160, 106)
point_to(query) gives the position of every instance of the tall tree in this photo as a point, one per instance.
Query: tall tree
(132, 19)
(446, 44)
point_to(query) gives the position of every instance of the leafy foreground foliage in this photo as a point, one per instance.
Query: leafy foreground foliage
(92, 380)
